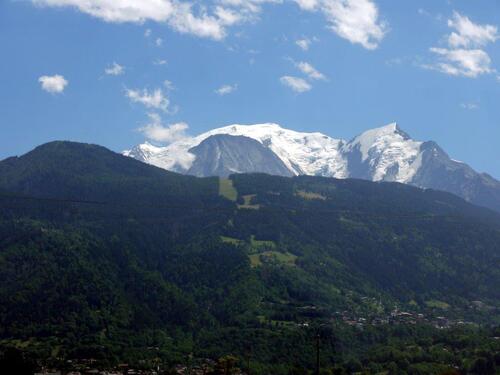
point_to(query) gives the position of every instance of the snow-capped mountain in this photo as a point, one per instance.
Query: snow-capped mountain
(302, 153)
(382, 154)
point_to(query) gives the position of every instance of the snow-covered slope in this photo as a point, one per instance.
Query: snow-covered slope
(382, 154)
(385, 153)
(302, 153)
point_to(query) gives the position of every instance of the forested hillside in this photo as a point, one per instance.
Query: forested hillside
(107, 258)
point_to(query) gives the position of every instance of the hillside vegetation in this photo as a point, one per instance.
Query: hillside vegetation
(104, 257)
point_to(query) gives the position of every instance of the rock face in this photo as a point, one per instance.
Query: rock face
(438, 171)
(381, 154)
(223, 155)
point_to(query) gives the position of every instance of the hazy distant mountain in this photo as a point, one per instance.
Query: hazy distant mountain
(382, 154)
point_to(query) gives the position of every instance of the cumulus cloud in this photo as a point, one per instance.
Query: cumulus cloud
(154, 99)
(155, 130)
(115, 70)
(357, 21)
(469, 34)
(465, 55)
(462, 62)
(53, 84)
(118, 10)
(308, 4)
(159, 42)
(310, 71)
(303, 43)
(181, 16)
(297, 84)
(228, 16)
(226, 89)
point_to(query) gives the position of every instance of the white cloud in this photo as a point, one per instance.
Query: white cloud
(160, 62)
(297, 84)
(228, 16)
(394, 61)
(469, 34)
(308, 4)
(423, 12)
(355, 20)
(168, 85)
(155, 130)
(181, 16)
(471, 106)
(203, 25)
(118, 11)
(462, 62)
(310, 70)
(154, 99)
(303, 43)
(159, 42)
(115, 69)
(463, 57)
(226, 89)
(53, 84)
(242, 10)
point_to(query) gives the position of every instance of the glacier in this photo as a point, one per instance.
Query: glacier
(384, 149)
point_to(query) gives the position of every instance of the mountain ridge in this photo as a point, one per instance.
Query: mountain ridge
(124, 257)
(385, 153)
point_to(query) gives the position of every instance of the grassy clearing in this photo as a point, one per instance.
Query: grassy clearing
(255, 246)
(247, 203)
(259, 244)
(227, 189)
(231, 240)
(20, 344)
(273, 257)
(55, 351)
(310, 195)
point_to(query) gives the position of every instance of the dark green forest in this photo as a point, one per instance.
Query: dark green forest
(106, 258)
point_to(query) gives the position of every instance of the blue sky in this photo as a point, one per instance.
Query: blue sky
(100, 71)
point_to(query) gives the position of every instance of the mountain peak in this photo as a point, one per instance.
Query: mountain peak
(392, 127)
(252, 128)
(379, 137)
(385, 153)
(389, 129)
(143, 151)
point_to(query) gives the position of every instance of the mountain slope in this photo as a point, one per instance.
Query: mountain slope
(302, 153)
(382, 154)
(222, 155)
(119, 258)
(340, 213)
(439, 171)
(70, 170)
